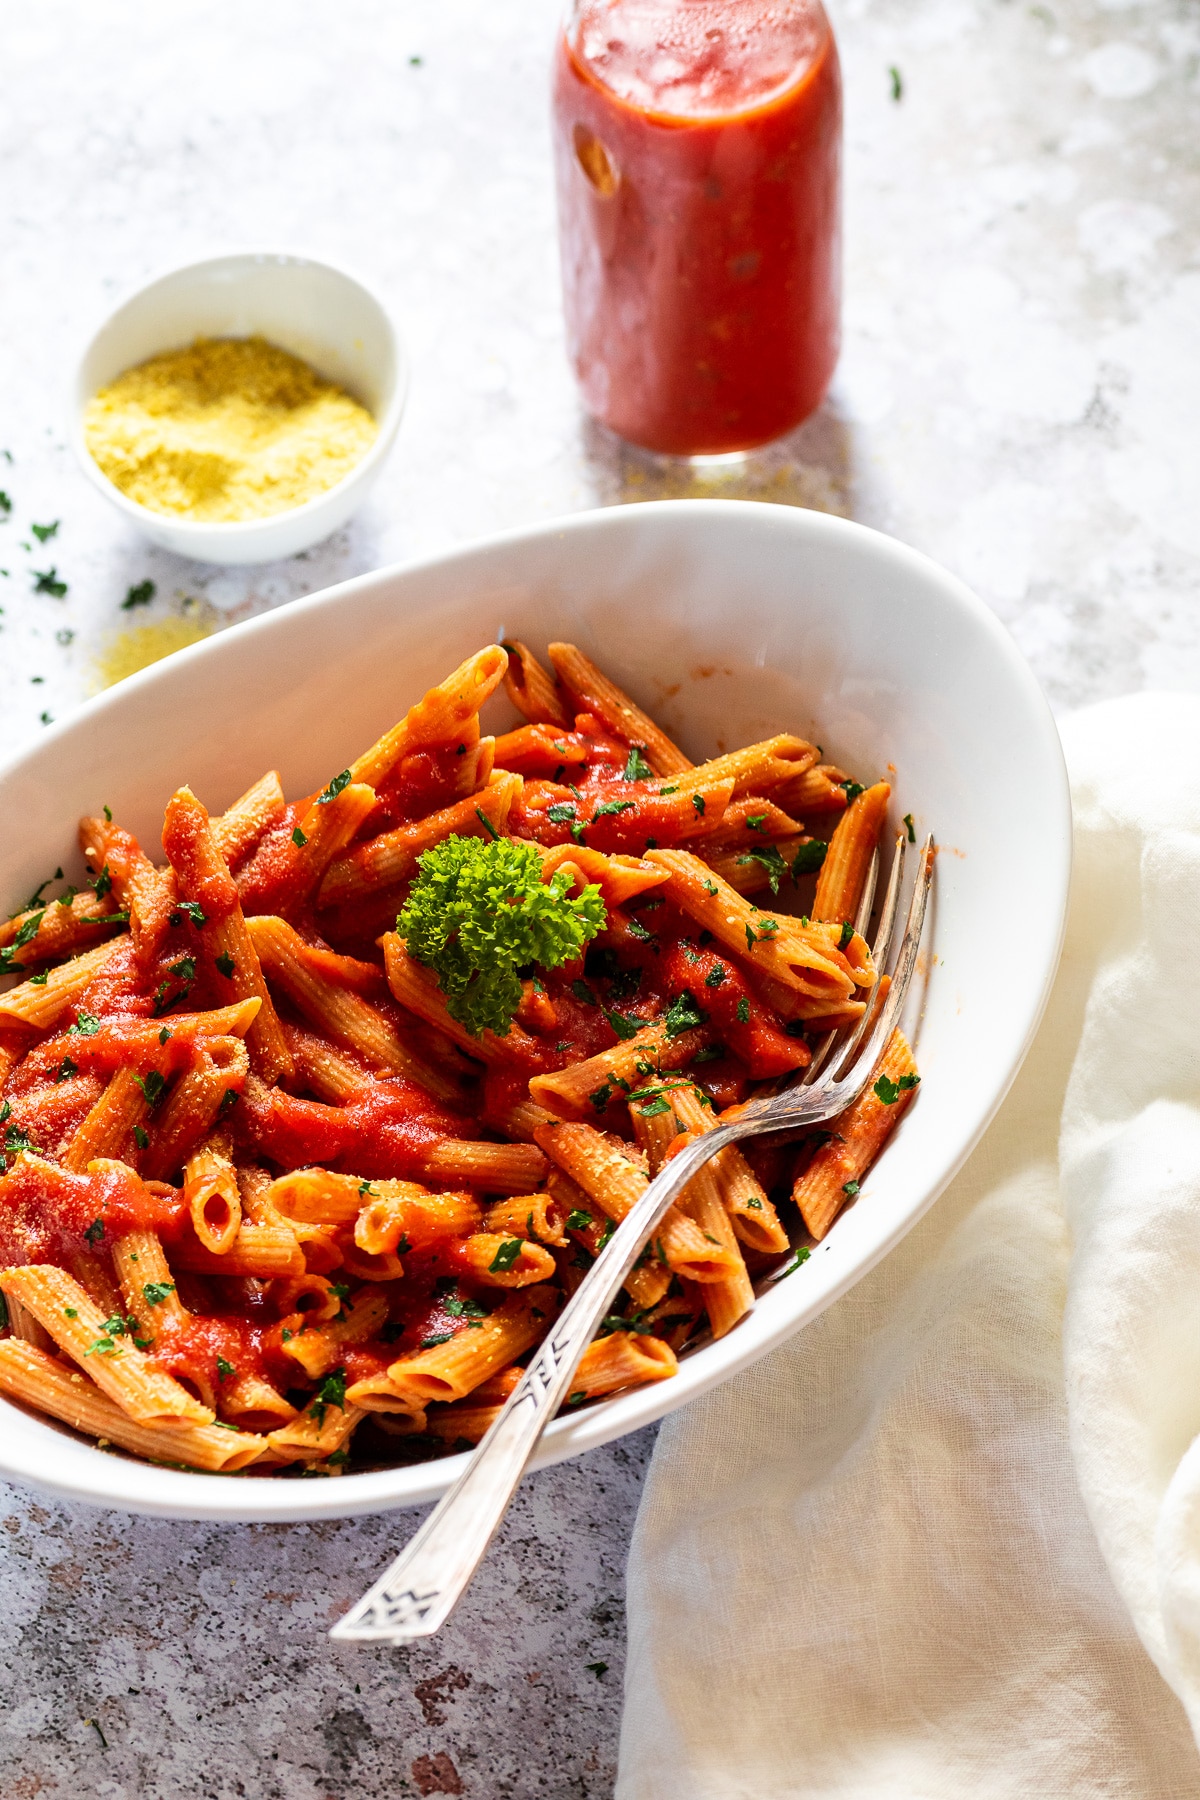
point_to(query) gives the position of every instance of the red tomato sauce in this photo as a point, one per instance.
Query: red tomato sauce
(698, 156)
(50, 1215)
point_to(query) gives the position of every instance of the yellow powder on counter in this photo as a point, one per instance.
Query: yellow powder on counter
(230, 429)
(145, 644)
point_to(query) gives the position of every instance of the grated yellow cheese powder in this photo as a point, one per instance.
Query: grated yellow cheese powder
(230, 429)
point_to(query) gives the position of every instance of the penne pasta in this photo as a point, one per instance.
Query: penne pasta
(531, 688)
(836, 1170)
(333, 1129)
(39, 1380)
(844, 871)
(204, 880)
(303, 975)
(593, 692)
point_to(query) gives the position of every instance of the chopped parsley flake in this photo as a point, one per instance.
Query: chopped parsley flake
(561, 812)
(800, 1257)
(771, 860)
(336, 786)
(190, 909)
(487, 824)
(716, 976)
(141, 1137)
(45, 581)
(141, 595)
(155, 1292)
(578, 1220)
(608, 807)
(66, 1069)
(850, 1188)
(743, 1011)
(910, 828)
(225, 964)
(853, 790)
(153, 1085)
(332, 1392)
(95, 1231)
(636, 767)
(224, 1369)
(890, 1091)
(846, 934)
(808, 858)
(439, 1337)
(299, 839)
(624, 1028)
(683, 1014)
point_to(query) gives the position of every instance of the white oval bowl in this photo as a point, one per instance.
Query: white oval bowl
(319, 313)
(728, 621)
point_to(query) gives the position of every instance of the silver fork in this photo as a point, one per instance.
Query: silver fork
(421, 1588)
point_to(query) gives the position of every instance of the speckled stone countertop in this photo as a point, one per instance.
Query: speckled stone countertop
(1019, 397)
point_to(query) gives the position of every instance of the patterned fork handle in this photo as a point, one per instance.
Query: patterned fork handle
(421, 1588)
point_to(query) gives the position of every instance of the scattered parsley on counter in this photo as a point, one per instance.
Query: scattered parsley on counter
(910, 828)
(43, 533)
(45, 581)
(141, 595)
(479, 912)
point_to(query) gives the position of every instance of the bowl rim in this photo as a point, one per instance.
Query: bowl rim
(114, 1481)
(233, 531)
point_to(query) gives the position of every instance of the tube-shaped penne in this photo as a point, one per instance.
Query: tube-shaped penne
(266, 1251)
(844, 871)
(527, 1215)
(800, 957)
(391, 858)
(39, 1380)
(584, 1089)
(730, 1295)
(110, 1356)
(306, 976)
(211, 1194)
(615, 1181)
(324, 1427)
(387, 1210)
(253, 1404)
(590, 690)
(439, 718)
(531, 688)
(57, 928)
(195, 1102)
(493, 1168)
(43, 1004)
(450, 1370)
(319, 1348)
(111, 1122)
(619, 1360)
(239, 829)
(147, 1285)
(120, 866)
(837, 1168)
(759, 768)
(497, 1260)
(754, 1219)
(204, 879)
(379, 1394)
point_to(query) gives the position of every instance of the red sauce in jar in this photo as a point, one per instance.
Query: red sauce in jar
(698, 153)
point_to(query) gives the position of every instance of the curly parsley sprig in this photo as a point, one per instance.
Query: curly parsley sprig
(479, 912)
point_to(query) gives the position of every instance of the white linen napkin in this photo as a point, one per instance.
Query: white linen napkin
(890, 1560)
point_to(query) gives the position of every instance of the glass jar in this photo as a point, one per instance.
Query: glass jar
(698, 164)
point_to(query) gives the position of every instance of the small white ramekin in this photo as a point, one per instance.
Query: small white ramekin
(315, 311)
